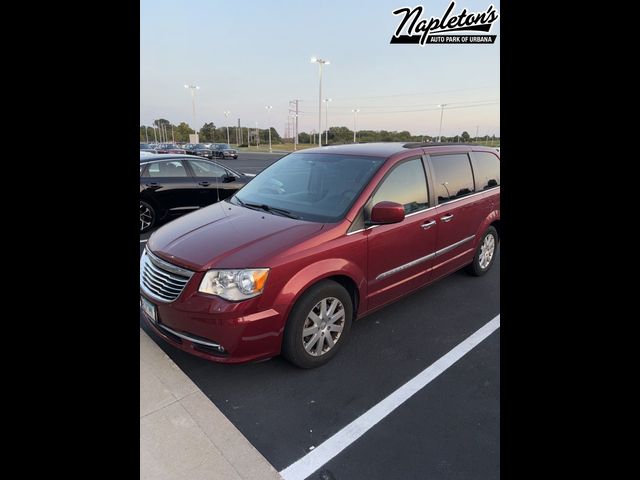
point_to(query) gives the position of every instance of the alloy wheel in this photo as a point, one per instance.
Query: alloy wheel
(486, 251)
(323, 326)
(146, 217)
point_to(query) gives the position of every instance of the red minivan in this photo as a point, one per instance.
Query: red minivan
(317, 240)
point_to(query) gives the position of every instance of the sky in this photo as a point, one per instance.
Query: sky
(245, 55)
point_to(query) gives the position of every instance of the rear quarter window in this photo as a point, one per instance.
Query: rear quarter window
(486, 168)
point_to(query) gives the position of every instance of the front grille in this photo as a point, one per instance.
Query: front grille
(161, 280)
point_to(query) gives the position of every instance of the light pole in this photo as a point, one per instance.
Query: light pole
(320, 62)
(226, 115)
(441, 113)
(355, 114)
(294, 121)
(269, 107)
(257, 136)
(193, 89)
(326, 120)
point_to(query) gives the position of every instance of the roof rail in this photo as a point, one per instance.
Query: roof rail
(437, 144)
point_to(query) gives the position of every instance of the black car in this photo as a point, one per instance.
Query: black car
(198, 149)
(224, 150)
(171, 185)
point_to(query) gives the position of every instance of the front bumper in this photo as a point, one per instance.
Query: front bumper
(200, 324)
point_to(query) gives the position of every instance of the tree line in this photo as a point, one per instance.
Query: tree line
(340, 135)
(164, 131)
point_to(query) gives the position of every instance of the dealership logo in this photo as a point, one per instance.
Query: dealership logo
(416, 30)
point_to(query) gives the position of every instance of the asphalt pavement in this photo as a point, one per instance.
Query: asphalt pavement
(251, 162)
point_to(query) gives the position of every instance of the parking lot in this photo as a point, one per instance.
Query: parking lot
(450, 428)
(251, 162)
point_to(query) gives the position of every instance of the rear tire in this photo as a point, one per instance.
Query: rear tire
(318, 325)
(485, 253)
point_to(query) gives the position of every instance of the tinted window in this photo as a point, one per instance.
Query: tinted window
(167, 169)
(406, 185)
(453, 177)
(206, 169)
(319, 187)
(486, 170)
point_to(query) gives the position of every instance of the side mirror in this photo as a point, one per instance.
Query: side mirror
(384, 213)
(228, 178)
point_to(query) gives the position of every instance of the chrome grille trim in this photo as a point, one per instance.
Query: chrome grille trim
(168, 266)
(161, 280)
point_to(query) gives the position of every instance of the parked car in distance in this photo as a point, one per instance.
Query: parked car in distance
(320, 238)
(224, 150)
(169, 148)
(171, 185)
(198, 149)
(146, 147)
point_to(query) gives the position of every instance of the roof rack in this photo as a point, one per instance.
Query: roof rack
(438, 144)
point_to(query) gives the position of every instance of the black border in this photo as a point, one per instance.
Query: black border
(81, 260)
(84, 75)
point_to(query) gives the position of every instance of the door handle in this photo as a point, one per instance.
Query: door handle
(447, 218)
(204, 184)
(428, 225)
(151, 184)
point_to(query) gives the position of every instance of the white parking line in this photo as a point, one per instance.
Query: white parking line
(142, 241)
(331, 447)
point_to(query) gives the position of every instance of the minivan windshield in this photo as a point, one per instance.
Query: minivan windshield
(317, 187)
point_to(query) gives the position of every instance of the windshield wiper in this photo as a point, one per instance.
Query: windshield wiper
(267, 208)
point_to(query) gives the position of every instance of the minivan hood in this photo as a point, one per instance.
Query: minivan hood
(224, 235)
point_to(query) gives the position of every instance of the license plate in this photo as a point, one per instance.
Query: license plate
(149, 309)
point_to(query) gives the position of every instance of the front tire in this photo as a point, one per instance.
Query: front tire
(485, 253)
(148, 216)
(318, 325)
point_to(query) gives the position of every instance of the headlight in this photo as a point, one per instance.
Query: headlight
(234, 285)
